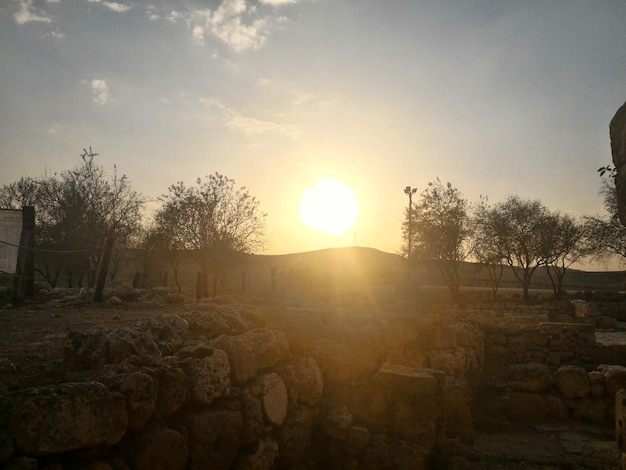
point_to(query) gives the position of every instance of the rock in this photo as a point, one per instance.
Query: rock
(386, 452)
(92, 350)
(337, 423)
(173, 391)
(294, 436)
(572, 382)
(596, 384)
(458, 406)
(527, 407)
(532, 377)
(617, 132)
(589, 409)
(160, 449)
(59, 418)
(114, 300)
(358, 436)
(208, 373)
(253, 422)
(241, 318)
(214, 439)
(303, 379)
(208, 324)
(253, 351)
(403, 402)
(167, 331)
(273, 398)
(334, 360)
(141, 396)
(263, 457)
(614, 378)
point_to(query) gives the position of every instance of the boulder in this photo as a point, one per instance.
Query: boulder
(294, 436)
(531, 377)
(263, 457)
(458, 406)
(208, 373)
(273, 398)
(614, 378)
(253, 351)
(572, 382)
(59, 418)
(168, 331)
(141, 396)
(173, 389)
(160, 449)
(403, 402)
(337, 423)
(214, 439)
(303, 379)
(617, 132)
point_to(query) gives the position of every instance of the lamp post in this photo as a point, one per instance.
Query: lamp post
(409, 192)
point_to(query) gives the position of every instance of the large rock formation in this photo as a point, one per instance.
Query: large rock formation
(617, 131)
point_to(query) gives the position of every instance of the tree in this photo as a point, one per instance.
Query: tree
(486, 252)
(440, 231)
(213, 218)
(564, 239)
(607, 235)
(517, 231)
(76, 211)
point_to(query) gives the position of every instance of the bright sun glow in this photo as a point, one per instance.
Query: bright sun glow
(329, 206)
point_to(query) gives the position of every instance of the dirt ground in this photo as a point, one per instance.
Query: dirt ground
(31, 345)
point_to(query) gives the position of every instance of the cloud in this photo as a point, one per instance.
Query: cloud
(51, 2)
(118, 7)
(250, 126)
(278, 2)
(27, 13)
(99, 91)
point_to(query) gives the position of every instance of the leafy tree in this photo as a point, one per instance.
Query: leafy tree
(214, 219)
(76, 211)
(440, 231)
(517, 231)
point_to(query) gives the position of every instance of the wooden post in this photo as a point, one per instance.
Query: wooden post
(25, 269)
(104, 269)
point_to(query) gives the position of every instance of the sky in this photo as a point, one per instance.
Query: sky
(496, 97)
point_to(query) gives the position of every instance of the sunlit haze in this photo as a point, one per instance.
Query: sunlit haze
(496, 97)
(330, 207)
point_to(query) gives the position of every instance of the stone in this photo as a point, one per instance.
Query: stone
(358, 436)
(214, 439)
(531, 377)
(527, 407)
(337, 423)
(589, 409)
(160, 449)
(168, 331)
(141, 396)
(253, 422)
(273, 398)
(303, 379)
(596, 382)
(403, 402)
(458, 406)
(208, 373)
(572, 382)
(294, 436)
(263, 457)
(555, 407)
(59, 418)
(614, 378)
(253, 351)
(173, 390)
(334, 360)
(617, 133)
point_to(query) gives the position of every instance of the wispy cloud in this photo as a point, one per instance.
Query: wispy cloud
(278, 2)
(27, 13)
(118, 7)
(99, 91)
(249, 125)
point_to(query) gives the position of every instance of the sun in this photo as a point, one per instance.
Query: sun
(329, 206)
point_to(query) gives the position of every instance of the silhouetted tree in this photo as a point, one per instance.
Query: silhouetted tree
(486, 252)
(440, 231)
(213, 218)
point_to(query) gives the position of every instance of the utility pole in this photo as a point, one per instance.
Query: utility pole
(409, 192)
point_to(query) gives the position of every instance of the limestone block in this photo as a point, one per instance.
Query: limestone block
(358, 436)
(168, 331)
(253, 351)
(173, 391)
(208, 324)
(59, 418)
(208, 373)
(273, 398)
(214, 439)
(458, 406)
(614, 379)
(532, 377)
(160, 449)
(303, 379)
(527, 407)
(141, 396)
(263, 457)
(404, 402)
(337, 423)
(572, 381)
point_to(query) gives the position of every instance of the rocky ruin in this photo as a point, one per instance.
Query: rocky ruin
(261, 387)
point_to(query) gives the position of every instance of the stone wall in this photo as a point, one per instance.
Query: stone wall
(232, 387)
